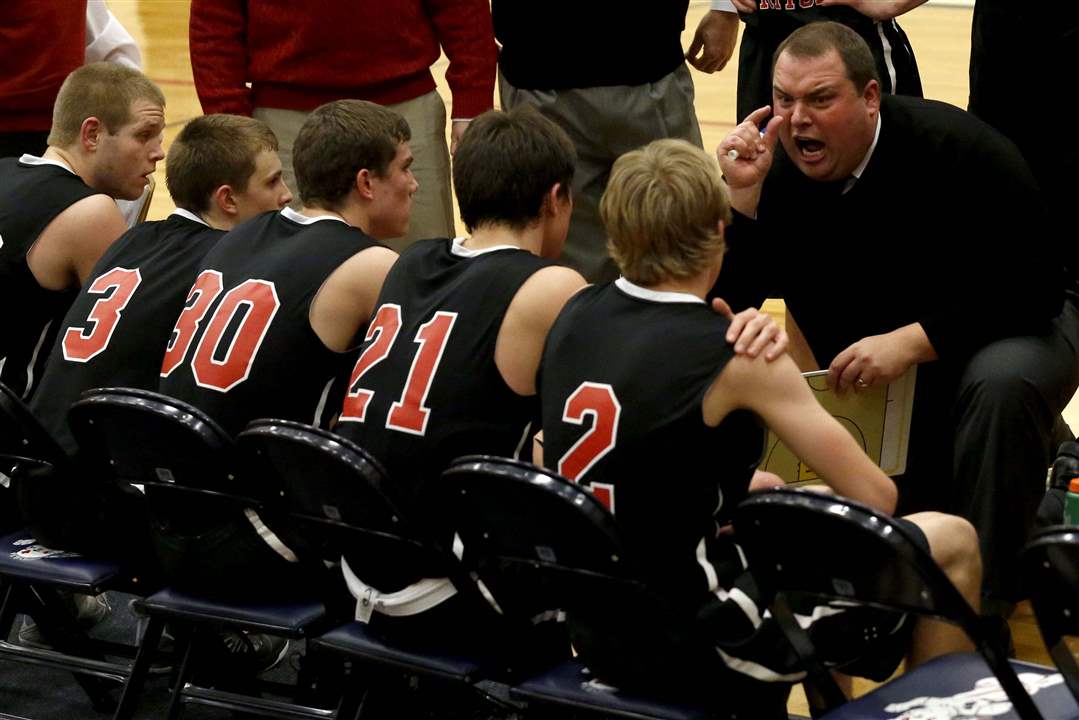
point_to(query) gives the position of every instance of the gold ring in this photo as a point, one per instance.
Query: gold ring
(861, 383)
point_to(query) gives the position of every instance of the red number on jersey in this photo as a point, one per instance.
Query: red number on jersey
(260, 299)
(386, 324)
(599, 401)
(78, 346)
(205, 290)
(409, 414)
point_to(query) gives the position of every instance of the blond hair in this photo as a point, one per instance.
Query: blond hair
(103, 90)
(662, 208)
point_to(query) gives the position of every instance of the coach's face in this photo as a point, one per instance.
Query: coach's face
(126, 158)
(830, 123)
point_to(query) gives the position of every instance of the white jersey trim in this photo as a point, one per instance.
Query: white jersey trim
(28, 159)
(301, 219)
(457, 248)
(188, 215)
(663, 296)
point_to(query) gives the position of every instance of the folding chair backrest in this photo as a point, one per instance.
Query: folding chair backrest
(521, 525)
(155, 441)
(22, 436)
(1051, 576)
(801, 542)
(826, 546)
(338, 497)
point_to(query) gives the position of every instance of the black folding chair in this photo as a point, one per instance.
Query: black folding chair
(33, 575)
(540, 542)
(1051, 575)
(342, 502)
(824, 547)
(182, 458)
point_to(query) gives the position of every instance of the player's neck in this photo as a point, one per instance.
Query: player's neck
(488, 236)
(69, 158)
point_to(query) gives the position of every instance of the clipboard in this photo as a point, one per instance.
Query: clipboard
(878, 418)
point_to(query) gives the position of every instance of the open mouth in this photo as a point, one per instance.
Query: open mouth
(809, 148)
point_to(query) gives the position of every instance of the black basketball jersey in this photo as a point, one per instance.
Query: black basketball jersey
(243, 346)
(32, 193)
(115, 331)
(425, 389)
(622, 381)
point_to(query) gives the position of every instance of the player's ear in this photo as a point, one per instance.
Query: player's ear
(90, 133)
(224, 198)
(871, 95)
(365, 184)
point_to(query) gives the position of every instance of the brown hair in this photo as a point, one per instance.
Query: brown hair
(816, 39)
(338, 140)
(662, 208)
(505, 164)
(211, 151)
(103, 90)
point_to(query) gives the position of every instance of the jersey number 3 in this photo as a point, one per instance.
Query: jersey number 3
(409, 413)
(78, 346)
(599, 401)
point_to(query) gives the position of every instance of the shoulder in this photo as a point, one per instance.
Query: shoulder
(551, 285)
(90, 217)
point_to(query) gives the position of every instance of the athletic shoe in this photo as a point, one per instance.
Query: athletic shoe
(89, 610)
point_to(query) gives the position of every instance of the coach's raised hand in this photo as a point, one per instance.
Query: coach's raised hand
(745, 156)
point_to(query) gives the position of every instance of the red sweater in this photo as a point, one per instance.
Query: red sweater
(40, 43)
(298, 56)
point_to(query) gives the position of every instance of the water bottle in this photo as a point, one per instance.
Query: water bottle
(1071, 503)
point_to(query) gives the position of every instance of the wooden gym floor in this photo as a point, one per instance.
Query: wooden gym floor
(941, 40)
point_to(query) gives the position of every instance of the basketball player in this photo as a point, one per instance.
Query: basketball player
(275, 308)
(450, 361)
(57, 213)
(647, 360)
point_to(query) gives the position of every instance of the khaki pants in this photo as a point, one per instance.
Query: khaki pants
(432, 207)
(603, 123)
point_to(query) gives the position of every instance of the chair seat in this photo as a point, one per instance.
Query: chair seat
(292, 619)
(21, 557)
(572, 684)
(357, 640)
(961, 681)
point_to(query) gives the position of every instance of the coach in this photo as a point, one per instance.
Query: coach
(903, 231)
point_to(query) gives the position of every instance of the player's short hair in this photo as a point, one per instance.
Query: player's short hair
(816, 39)
(505, 164)
(662, 208)
(103, 90)
(338, 140)
(211, 151)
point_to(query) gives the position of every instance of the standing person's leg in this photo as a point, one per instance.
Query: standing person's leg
(432, 205)
(1011, 393)
(603, 123)
(286, 126)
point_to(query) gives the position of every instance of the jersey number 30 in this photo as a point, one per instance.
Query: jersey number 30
(598, 401)
(213, 369)
(409, 413)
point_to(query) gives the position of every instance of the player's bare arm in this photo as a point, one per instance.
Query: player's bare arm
(528, 318)
(70, 246)
(346, 301)
(779, 395)
(877, 9)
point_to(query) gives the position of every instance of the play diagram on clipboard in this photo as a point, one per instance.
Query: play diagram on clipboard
(877, 417)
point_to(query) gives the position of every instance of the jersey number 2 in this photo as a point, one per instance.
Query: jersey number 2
(409, 413)
(599, 401)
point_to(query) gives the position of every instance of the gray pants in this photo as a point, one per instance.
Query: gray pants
(432, 206)
(603, 123)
